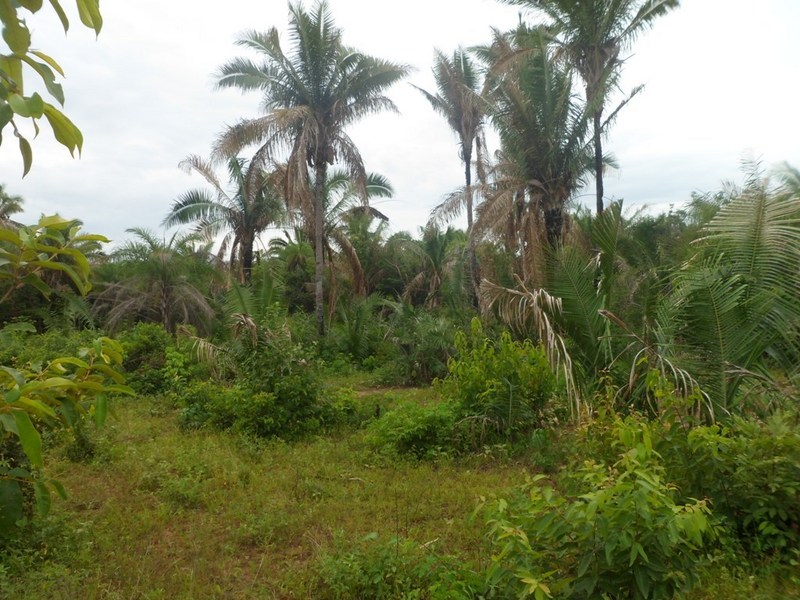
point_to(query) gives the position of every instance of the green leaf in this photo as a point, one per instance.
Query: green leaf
(100, 410)
(12, 67)
(55, 221)
(59, 489)
(42, 495)
(18, 377)
(15, 33)
(49, 60)
(27, 155)
(62, 17)
(29, 438)
(11, 504)
(89, 11)
(48, 77)
(19, 105)
(642, 581)
(8, 423)
(31, 5)
(64, 130)
(34, 281)
(6, 114)
(35, 106)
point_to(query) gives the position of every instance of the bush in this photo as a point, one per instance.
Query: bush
(396, 568)
(751, 472)
(621, 535)
(416, 348)
(20, 348)
(501, 387)
(260, 413)
(145, 357)
(419, 431)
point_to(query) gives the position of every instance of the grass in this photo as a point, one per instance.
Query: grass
(166, 513)
(160, 512)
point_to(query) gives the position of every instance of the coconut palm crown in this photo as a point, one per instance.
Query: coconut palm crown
(592, 35)
(309, 97)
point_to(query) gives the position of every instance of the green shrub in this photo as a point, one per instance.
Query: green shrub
(621, 535)
(419, 431)
(416, 347)
(500, 387)
(396, 568)
(750, 470)
(20, 348)
(260, 413)
(145, 351)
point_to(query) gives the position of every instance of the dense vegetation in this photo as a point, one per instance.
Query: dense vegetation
(553, 403)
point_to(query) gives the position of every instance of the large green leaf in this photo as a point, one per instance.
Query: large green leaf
(29, 438)
(11, 503)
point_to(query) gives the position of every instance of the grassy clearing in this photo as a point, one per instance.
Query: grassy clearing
(160, 512)
(165, 513)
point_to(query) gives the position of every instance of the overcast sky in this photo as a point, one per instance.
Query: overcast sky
(721, 82)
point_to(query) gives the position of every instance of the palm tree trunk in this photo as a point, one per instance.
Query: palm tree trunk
(247, 259)
(471, 258)
(598, 159)
(319, 260)
(166, 321)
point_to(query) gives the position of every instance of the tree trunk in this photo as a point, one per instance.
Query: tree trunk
(320, 167)
(166, 321)
(598, 159)
(471, 258)
(553, 224)
(247, 259)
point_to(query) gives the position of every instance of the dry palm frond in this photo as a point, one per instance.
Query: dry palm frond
(653, 355)
(523, 307)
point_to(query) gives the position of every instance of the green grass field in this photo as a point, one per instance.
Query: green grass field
(159, 512)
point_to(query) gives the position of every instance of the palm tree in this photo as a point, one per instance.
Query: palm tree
(441, 254)
(543, 132)
(310, 96)
(592, 35)
(459, 101)
(254, 205)
(162, 285)
(9, 205)
(343, 204)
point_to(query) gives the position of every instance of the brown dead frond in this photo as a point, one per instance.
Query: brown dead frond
(535, 309)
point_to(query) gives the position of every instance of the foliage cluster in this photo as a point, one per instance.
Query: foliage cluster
(495, 391)
(623, 532)
(393, 568)
(749, 469)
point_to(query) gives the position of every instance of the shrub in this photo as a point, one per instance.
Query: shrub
(260, 413)
(622, 535)
(396, 568)
(501, 387)
(750, 470)
(20, 348)
(145, 356)
(416, 348)
(419, 431)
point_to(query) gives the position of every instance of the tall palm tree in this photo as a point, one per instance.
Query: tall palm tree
(459, 101)
(254, 205)
(310, 96)
(592, 35)
(543, 130)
